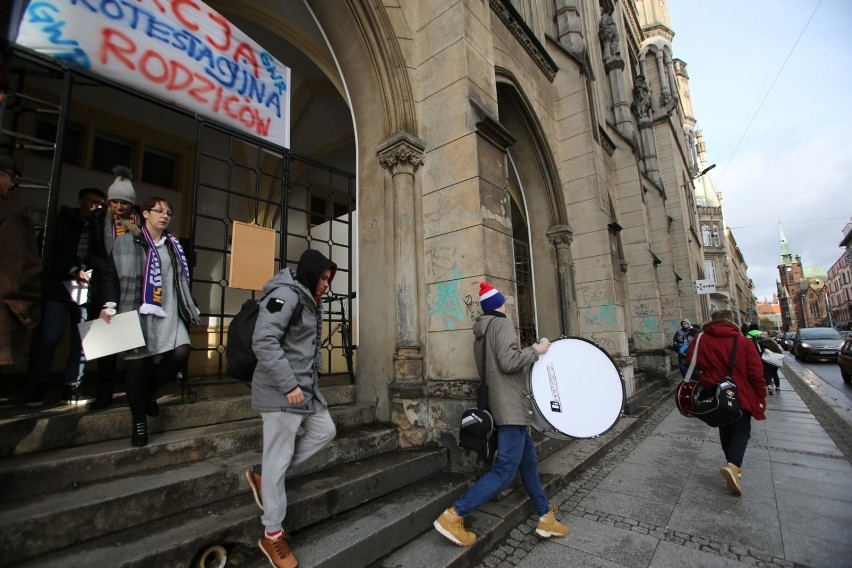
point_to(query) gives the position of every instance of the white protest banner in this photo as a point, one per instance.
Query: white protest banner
(705, 286)
(180, 51)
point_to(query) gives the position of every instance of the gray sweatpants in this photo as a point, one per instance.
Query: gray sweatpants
(281, 449)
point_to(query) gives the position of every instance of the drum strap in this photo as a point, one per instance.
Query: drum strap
(482, 394)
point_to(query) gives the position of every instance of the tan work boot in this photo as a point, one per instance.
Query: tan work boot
(549, 526)
(731, 475)
(451, 525)
(277, 551)
(253, 478)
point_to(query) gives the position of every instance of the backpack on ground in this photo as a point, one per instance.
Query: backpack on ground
(238, 350)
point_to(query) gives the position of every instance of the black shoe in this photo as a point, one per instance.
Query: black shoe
(139, 436)
(104, 398)
(73, 395)
(35, 395)
(153, 409)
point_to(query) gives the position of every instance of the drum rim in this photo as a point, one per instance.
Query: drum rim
(621, 382)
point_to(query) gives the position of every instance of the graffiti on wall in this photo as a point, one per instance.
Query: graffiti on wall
(602, 315)
(448, 304)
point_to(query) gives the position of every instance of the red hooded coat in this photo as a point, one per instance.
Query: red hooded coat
(714, 351)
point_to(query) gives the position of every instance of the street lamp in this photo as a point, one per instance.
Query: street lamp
(699, 174)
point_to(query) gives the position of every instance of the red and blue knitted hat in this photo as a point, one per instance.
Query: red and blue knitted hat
(490, 297)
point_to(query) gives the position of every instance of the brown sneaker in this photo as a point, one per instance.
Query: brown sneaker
(549, 526)
(278, 551)
(451, 525)
(733, 478)
(254, 480)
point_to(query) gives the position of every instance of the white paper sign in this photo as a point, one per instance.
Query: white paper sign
(705, 286)
(180, 51)
(101, 338)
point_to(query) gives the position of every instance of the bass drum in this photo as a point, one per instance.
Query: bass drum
(576, 390)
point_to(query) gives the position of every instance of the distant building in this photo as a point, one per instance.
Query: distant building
(840, 284)
(743, 301)
(802, 292)
(769, 314)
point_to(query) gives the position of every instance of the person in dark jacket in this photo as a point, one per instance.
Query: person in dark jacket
(20, 271)
(714, 351)
(285, 390)
(681, 338)
(103, 226)
(59, 310)
(770, 372)
(504, 364)
(151, 276)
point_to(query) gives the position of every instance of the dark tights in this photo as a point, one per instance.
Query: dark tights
(145, 376)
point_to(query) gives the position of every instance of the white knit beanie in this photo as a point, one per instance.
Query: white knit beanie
(122, 188)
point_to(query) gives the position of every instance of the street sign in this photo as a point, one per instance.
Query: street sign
(705, 286)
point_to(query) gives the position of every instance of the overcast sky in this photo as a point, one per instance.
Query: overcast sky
(795, 162)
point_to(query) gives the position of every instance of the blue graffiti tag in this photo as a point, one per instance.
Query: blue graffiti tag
(448, 304)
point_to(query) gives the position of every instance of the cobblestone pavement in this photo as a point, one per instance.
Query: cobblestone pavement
(657, 500)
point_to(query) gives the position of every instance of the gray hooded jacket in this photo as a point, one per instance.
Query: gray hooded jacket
(288, 354)
(506, 364)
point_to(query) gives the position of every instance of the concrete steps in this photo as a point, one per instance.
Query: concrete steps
(76, 427)
(492, 522)
(233, 522)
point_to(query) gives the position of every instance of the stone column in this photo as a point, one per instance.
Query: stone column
(401, 155)
(664, 79)
(569, 26)
(671, 74)
(561, 236)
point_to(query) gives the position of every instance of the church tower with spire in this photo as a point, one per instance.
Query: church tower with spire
(790, 287)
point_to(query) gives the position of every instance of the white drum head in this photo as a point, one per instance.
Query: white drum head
(577, 388)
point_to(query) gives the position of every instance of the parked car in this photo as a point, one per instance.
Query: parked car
(846, 334)
(788, 340)
(844, 360)
(816, 343)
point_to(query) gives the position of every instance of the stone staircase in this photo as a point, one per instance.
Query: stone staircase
(73, 492)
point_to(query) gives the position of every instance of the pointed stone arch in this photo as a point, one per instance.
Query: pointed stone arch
(546, 213)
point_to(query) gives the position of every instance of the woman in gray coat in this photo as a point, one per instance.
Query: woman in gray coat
(152, 276)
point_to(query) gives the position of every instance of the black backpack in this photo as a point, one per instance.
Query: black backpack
(241, 357)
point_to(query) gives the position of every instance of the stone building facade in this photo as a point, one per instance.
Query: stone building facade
(802, 292)
(546, 147)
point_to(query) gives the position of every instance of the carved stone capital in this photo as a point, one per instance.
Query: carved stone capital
(402, 153)
(560, 235)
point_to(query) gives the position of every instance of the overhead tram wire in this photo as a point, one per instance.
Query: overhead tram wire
(789, 223)
(766, 96)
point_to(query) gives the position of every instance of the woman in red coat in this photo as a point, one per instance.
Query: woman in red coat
(714, 352)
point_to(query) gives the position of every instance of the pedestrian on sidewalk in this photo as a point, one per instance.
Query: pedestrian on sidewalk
(770, 372)
(681, 338)
(504, 364)
(285, 390)
(713, 355)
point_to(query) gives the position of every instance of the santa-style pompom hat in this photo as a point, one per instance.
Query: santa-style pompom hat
(490, 297)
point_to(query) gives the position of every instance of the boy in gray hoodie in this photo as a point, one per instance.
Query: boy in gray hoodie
(285, 389)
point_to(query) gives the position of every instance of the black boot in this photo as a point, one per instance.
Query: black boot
(103, 399)
(139, 436)
(153, 409)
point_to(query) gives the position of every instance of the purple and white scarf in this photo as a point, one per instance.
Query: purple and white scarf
(152, 281)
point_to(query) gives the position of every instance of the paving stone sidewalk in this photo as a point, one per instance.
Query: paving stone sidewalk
(657, 500)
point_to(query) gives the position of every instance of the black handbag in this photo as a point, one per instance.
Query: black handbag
(719, 405)
(477, 431)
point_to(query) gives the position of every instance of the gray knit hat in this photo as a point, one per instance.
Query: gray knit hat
(122, 188)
